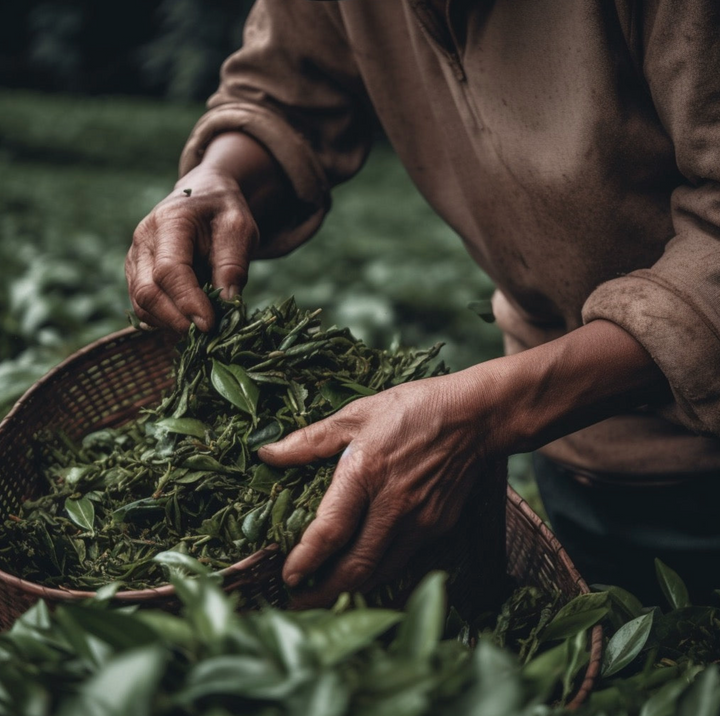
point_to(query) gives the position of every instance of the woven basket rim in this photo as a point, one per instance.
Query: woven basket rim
(39, 384)
(132, 595)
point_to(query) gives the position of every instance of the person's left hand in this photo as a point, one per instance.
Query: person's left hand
(411, 454)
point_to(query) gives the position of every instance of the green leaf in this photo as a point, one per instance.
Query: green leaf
(357, 388)
(337, 637)
(329, 695)
(184, 426)
(105, 594)
(178, 560)
(570, 625)
(209, 610)
(422, 628)
(38, 616)
(672, 586)
(265, 478)
(626, 644)
(664, 701)
(334, 394)
(624, 603)
(578, 656)
(174, 631)
(236, 386)
(144, 508)
(250, 677)
(496, 686)
(205, 462)
(577, 615)
(73, 475)
(89, 647)
(81, 512)
(484, 309)
(269, 433)
(121, 631)
(126, 685)
(544, 671)
(288, 640)
(703, 697)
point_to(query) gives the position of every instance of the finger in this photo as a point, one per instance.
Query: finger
(337, 520)
(172, 271)
(358, 565)
(235, 236)
(167, 316)
(149, 302)
(322, 439)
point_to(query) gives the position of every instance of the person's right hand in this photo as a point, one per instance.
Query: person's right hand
(211, 230)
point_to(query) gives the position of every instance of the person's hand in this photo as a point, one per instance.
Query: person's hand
(206, 226)
(209, 229)
(411, 455)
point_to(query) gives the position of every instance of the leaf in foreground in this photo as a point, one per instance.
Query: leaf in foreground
(626, 644)
(126, 685)
(672, 586)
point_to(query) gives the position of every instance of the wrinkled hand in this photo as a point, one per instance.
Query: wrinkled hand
(212, 228)
(411, 455)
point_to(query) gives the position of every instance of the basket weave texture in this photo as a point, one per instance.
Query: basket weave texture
(106, 384)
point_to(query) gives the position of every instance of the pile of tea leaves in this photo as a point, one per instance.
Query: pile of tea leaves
(185, 476)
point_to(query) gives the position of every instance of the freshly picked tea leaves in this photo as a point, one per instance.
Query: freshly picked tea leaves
(185, 476)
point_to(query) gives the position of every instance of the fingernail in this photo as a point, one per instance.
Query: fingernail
(294, 579)
(232, 291)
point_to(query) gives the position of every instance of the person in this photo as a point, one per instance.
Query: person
(575, 149)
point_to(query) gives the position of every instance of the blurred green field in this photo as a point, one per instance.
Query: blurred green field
(76, 176)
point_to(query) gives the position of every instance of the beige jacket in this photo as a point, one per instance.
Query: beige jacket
(574, 145)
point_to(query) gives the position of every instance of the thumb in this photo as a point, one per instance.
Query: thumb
(235, 238)
(322, 439)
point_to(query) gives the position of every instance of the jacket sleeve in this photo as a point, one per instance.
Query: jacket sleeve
(294, 88)
(673, 307)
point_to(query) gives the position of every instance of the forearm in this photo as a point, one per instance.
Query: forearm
(564, 385)
(260, 178)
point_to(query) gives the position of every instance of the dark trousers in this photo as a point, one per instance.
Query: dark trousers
(613, 532)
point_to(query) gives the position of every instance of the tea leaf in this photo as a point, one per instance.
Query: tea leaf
(184, 426)
(623, 603)
(143, 508)
(423, 625)
(672, 586)
(626, 644)
(270, 433)
(664, 701)
(484, 309)
(81, 512)
(236, 675)
(233, 383)
(181, 561)
(125, 685)
(577, 615)
(578, 657)
(335, 638)
(703, 696)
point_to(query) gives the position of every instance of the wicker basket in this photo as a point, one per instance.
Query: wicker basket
(107, 383)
